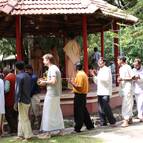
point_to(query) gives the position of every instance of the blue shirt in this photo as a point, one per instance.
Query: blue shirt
(23, 88)
(35, 88)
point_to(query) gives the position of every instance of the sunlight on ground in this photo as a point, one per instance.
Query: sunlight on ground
(110, 137)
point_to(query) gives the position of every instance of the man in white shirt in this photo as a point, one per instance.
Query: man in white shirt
(104, 91)
(125, 78)
(138, 87)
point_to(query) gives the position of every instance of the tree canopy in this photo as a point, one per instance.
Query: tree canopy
(131, 37)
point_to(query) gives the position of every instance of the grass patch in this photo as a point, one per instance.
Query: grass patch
(63, 139)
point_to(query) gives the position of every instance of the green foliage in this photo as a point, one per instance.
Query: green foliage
(93, 41)
(137, 9)
(7, 46)
(123, 4)
(130, 37)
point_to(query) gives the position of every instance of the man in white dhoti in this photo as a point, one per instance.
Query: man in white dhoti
(52, 118)
(138, 87)
(2, 104)
(126, 75)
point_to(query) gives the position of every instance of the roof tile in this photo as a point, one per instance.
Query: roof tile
(48, 7)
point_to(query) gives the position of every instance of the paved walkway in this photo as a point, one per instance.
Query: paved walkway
(131, 134)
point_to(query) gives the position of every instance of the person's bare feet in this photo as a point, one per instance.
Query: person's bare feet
(61, 133)
(44, 136)
(26, 139)
(130, 121)
(141, 119)
(125, 123)
(19, 138)
(113, 125)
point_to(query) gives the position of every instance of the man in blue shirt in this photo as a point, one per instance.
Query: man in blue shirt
(22, 101)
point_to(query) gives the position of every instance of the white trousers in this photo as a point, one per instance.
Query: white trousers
(1, 119)
(24, 126)
(35, 105)
(139, 101)
(127, 106)
(1, 123)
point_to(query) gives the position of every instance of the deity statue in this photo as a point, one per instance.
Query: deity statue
(72, 52)
(36, 59)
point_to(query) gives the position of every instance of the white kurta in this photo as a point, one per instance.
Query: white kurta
(138, 85)
(126, 86)
(138, 91)
(104, 81)
(2, 101)
(52, 118)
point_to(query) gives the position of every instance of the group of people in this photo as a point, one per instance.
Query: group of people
(131, 83)
(7, 91)
(17, 94)
(17, 91)
(21, 88)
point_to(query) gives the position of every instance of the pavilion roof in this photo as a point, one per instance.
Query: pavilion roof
(44, 17)
(57, 7)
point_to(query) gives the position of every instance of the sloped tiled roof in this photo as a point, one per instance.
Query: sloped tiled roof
(49, 7)
(26, 7)
(111, 10)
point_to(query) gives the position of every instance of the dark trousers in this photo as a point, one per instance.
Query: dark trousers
(81, 115)
(12, 118)
(105, 112)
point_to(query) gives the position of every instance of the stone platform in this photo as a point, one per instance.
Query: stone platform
(67, 101)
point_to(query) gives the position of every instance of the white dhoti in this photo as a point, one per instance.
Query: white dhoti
(52, 118)
(127, 102)
(24, 126)
(139, 101)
